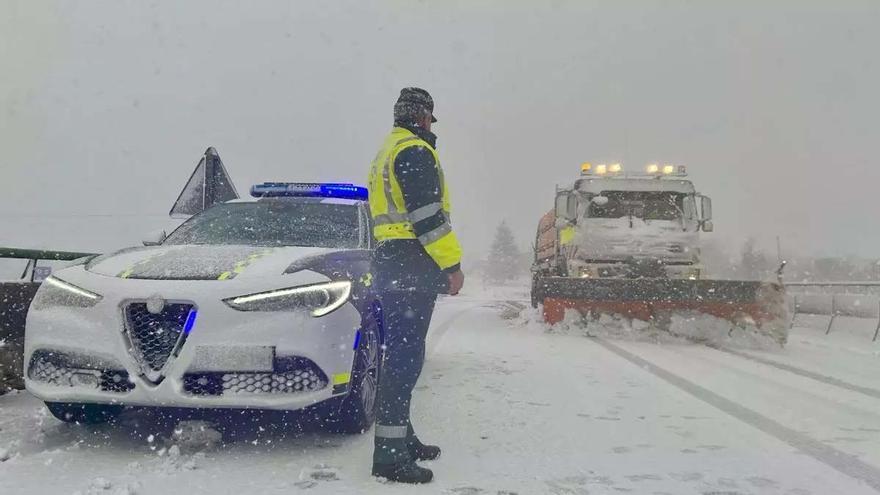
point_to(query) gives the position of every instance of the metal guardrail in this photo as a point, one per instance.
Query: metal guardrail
(857, 299)
(41, 254)
(36, 255)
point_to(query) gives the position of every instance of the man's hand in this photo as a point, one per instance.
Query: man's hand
(456, 281)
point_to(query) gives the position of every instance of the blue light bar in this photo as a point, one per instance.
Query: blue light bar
(309, 190)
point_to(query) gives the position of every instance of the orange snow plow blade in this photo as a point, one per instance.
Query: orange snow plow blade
(754, 303)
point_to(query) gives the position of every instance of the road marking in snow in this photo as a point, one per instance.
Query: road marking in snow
(829, 380)
(845, 463)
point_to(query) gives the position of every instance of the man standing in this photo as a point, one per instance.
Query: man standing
(418, 256)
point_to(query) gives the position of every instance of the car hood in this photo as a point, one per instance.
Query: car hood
(199, 262)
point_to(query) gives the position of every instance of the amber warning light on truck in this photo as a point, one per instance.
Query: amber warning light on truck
(656, 169)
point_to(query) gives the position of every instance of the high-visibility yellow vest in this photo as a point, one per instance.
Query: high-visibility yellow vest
(391, 220)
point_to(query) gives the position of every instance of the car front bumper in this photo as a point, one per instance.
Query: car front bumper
(230, 359)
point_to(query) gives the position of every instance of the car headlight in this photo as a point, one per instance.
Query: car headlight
(55, 292)
(321, 299)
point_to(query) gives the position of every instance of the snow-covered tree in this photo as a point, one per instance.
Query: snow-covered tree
(505, 260)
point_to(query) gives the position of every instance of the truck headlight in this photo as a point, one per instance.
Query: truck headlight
(320, 299)
(55, 292)
(587, 272)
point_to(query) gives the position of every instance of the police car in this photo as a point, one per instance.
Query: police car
(262, 303)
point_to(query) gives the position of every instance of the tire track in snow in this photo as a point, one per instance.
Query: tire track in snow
(436, 334)
(828, 380)
(840, 461)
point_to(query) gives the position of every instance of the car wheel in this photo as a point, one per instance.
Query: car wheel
(83, 413)
(358, 411)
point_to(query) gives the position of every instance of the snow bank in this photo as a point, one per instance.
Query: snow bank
(683, 328)
(192, 436)
(718, 332)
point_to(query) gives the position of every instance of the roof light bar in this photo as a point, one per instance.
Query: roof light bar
(309, 190)
(651, 169)
(666, 170)
(601, 169)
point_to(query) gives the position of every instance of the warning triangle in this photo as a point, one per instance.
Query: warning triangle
(208, 185)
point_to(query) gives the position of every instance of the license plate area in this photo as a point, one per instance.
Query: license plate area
(233, 358)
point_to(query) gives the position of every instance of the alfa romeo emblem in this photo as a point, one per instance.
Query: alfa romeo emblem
(155, 304)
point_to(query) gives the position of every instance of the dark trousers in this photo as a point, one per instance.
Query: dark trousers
(406, 316)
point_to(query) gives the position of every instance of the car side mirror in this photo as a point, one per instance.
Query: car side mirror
(708, 226)
(155, 238)
(561, 206)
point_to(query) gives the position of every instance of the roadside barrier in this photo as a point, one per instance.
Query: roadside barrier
(835, 299)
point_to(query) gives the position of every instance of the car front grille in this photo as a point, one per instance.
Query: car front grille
(64, 370)
(155, 338)
(291, 376)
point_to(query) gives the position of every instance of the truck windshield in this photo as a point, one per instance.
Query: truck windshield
(273, 223)
(647, 205)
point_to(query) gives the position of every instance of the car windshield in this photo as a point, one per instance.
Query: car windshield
(650, 205)
(273, 223)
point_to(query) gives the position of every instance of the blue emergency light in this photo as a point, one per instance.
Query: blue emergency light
(309, 190)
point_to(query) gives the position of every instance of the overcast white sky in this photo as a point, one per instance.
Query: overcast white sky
(106, 106)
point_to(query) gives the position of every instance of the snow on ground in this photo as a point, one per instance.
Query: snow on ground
(847, 353)
(518, 409)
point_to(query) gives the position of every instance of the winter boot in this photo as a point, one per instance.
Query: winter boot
(421, 452)
(408, 472)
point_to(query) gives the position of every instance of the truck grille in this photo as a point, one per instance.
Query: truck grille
(155, 338)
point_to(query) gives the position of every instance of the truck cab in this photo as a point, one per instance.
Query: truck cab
(613, 224)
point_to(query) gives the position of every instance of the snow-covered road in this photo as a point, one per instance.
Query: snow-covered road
(520, 410)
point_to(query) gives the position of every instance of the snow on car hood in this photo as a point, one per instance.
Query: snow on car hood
(619, 238)
(198, 262)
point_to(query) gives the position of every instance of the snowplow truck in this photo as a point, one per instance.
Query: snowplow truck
(628, 244)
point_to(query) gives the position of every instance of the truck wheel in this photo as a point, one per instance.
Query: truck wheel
(358, 410)
(89, 414)
(537, 295)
